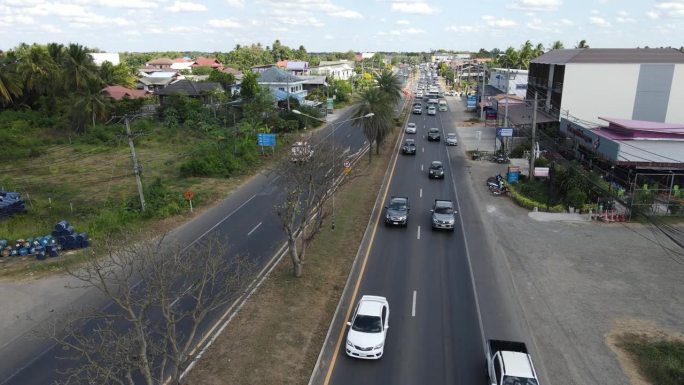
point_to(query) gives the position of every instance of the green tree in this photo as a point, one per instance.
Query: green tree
(89, 102)
(10, 81)
(582, 44)
(224, 78)
(35, 67)
(375, 101)
(78, 67)
(201, 70)
(249, 86)
(390, 84)
(120, 74)
(557, 45)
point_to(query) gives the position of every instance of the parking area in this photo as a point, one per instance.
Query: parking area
(579, 282)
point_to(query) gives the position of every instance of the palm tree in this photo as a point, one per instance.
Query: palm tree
(89, 102)
(10, 81)
(582, 44)
(78, 67)
(539, 50)
(36, 68)
(525, 55)
(557, 45)
(389, 83)
(376, 101)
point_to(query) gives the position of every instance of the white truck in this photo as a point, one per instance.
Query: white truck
(509, 363)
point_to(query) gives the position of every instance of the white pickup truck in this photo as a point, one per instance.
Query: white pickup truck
(509, 363)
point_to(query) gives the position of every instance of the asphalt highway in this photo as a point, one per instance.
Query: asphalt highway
(244, 221)
(434, 335)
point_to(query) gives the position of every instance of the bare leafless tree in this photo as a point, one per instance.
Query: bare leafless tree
(162, 296)
(308, 186)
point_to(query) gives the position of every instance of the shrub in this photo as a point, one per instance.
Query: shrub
(575, 197)
(541, 162)
(519, 150)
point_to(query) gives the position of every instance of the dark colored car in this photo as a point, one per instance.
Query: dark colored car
(434, 135)
(396, 212)
(443, 215)
(409, 147)
(436, 170)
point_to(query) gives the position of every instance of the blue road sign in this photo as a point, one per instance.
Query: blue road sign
(266, 140)
(504, 131)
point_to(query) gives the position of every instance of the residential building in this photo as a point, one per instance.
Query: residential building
(364, 55)
(153, 84)
(208, 62)
(645, 84)
(343, 69)
(262, 68)
(182, 63)
(160, 63)
(101, 57)
(199, 90)
(120, 93)
(312, 82)
(282, 83)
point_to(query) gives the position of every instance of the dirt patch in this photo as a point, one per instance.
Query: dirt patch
(643, 328)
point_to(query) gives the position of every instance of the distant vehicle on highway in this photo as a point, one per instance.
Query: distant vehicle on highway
(433, 134)
(436, 170)
(432, 110)
(368, 328)
(410, 128)
(443, 216)
(301, 152)
(397, 211)
(409, 147)
(509, 362)
(417, 110)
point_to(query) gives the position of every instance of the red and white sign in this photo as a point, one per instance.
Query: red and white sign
(541, 172)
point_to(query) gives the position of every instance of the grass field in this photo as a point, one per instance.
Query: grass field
(660, 361)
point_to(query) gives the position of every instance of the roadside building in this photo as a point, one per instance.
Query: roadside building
(342, 69)
(120, 93)
(511, 81)
(641, 84)
(282, 84)
(163, 63)
(197, 90)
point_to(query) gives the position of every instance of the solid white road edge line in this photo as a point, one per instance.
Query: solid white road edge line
(254, 229)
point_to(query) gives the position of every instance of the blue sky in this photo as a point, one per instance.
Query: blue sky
(340, 25)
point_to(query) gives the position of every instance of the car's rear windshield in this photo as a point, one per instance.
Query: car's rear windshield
(512, 380)
(367, 324)
(444, 210)
(398, 205)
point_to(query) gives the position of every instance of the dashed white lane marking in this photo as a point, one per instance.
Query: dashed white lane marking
(254, 229)
(418, 232)
(413, 308)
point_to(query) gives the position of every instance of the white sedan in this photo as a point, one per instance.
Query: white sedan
(366, 336)
(411, 128)
(451, 139)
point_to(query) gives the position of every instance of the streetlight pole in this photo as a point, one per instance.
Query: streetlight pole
(332, 135)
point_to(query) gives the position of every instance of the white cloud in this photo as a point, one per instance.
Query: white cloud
(567, 22)
(134, 4)
(536, 5)
(414, 31)
(346, 14)
(623, 13)
(652, 15)
(236, 3)
(594, 12)
(599, 22)
(499, 23)
(224, 23)
(418, 8)
(625, 20)
(403, 22)
(328, 37)
(460, 28)
(537, 25)
(16, 19)
(670, 8)
(180, 29)
(186, 6)
(382, 20)
(49, 28)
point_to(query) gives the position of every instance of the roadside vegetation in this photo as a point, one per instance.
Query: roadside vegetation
(659, 361)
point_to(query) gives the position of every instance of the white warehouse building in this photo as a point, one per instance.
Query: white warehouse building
(645, 84)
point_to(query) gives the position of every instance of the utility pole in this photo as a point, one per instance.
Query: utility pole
(508, 76)
(534, 126)
(484, 75)
(136, 167)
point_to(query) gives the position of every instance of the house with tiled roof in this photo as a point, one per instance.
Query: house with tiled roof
(282, 84)
(191, 89)
(208, 62)
(160, 63)
(237, 73)
(153, 84)
(120, 93)
(182, 63)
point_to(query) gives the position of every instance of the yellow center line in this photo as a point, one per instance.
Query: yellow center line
(361, 272)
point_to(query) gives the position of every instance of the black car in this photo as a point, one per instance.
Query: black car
(434, 135)
(396, 212)
(409, 147)
(436, 170)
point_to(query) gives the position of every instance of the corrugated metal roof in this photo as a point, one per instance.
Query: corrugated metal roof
(611, 55)
(276, 75)
(190, 88)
